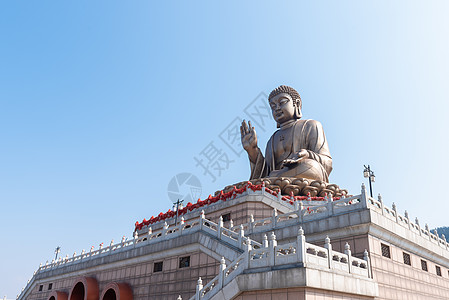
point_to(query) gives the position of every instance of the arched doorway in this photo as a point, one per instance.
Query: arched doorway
(56, 295)
(117, 291)
(84, 288)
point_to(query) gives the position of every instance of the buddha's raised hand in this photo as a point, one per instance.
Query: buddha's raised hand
(249, 138)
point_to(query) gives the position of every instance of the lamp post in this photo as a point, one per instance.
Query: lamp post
(57, 250)
(367, 173)
(177, 204)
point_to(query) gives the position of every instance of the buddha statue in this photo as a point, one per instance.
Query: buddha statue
(297, 149)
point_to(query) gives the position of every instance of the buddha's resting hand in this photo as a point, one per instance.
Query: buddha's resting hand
(249, 140)
(295, 158)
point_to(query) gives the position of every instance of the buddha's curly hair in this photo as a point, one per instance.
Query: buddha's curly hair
(288, 90)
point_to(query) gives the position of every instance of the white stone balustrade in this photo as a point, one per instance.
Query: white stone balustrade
(235, 235)
(294, 254)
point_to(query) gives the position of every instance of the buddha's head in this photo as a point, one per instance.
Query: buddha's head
(285, 104)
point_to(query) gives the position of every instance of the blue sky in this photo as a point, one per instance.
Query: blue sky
(103, 102)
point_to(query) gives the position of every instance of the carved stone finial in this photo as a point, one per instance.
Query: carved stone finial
(231, 224)
(347, 246)
(365, 255)
(179, 297)
(416, 221)
(406, 214)
(427, 227)
(272, 236)
(327, 240)
(223, 261)
(300, 231)
(251, 218)
(393, 206)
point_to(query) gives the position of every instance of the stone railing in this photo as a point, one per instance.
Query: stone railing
(271, 254)
(403, 220)
(304, 211)
(287, 201)
(233, 238)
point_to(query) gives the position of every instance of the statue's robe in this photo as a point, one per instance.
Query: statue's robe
(301, 134)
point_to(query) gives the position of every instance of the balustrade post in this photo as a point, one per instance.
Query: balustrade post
(330, 207)
(231, 224)
(220, 225)
(328, 246)
(201, 223)
(251, 222)
(275, 214)
(407, 218)
(241, 235)
(368, 263)
(393, 206)
(221, 274)
(379, 198)
(444, 239)
(349, 255)
(301, 246)
(364, 196)
(417, 224)
(164, 229)
(199, 288)
(428, 232)
(272, 244)
(265, 241)
(181, 225)
(248, 253)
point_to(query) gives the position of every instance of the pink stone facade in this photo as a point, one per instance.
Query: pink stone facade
(398, 280)
(297, 294)
(395, 275)
(145, 283)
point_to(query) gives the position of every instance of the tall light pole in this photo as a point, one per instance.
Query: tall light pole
(57, 250)
(177, 204)
(367, 173)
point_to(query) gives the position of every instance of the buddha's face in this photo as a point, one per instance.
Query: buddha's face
(282, 108)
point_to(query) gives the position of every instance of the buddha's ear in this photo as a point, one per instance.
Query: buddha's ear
(298, 113)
